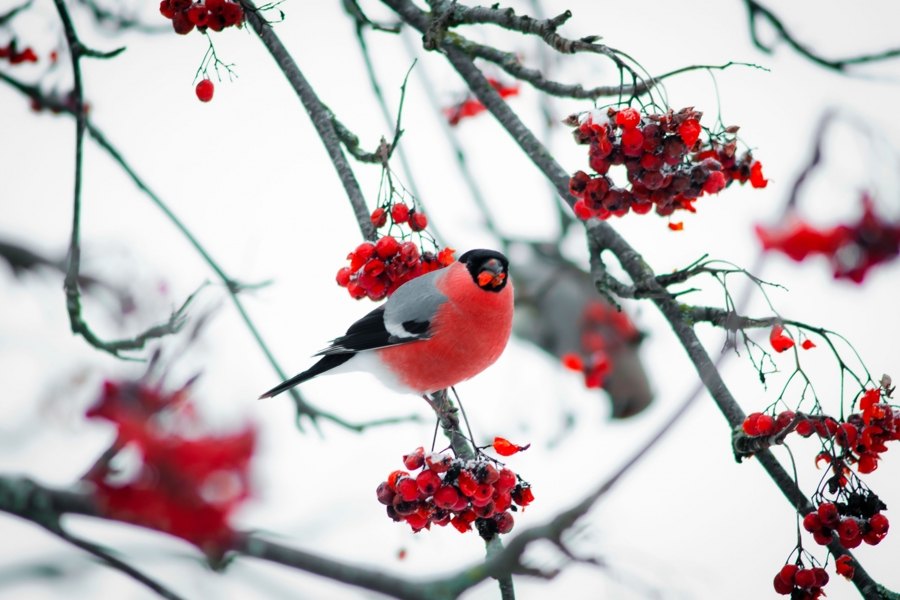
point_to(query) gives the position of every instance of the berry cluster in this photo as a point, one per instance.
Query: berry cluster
(376, 270)
(854, 521)
(209, 14)
(472, 106)
(668, 165)
(602, 326)
(454, 491)
(851, 249)
(187, 486)
(864, 434)
(800, 583)
(11, 53)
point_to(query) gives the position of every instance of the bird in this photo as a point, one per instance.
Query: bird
(434, 332)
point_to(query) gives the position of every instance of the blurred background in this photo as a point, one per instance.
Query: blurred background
(249, 177)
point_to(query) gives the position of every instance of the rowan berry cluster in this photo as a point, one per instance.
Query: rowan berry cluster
(800, 583)
(377, 269)
(209, 14)
(187, 486)
(15, 57)
(456, 492)
(604, 328)
(668, 165)
(856, 520)
(851, 249)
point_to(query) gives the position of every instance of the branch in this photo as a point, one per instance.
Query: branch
(73, 293)
(28, 500)
(755, 10)
(605, 237)
(119, 22)
(320, 116)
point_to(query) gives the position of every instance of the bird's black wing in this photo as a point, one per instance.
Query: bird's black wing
(370, 333)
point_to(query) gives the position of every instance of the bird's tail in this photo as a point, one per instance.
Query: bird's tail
(326, 363)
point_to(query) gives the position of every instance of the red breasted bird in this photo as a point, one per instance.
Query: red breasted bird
(435, 331)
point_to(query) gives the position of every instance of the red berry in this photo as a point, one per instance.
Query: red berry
(387, 247)
(879, 523)
(394, 476)
(784, 419)
(848, 529)
(181, 24)
(166, 10)
(522, 495)
(787, 574)
(400, 213)
(690, 132)
(205, 90)
(872, 538)
(812, 522)
(781, 587)
(343, 276)
(439, 463)
(487, 473)
(765, 424)
(628, 119)
(844, 566)
(504, 522)
(414, 459)
(821, 577)
(484, 511)
(416, 521)
(506, 481)
(417, 221)
(408, 489)
(823, 536)
(632, 142)
(715, 183)
(502, 500)
(198, 15)
(428, 482)
(749, 425)
(867, 463)
(379, 217)
(828, 514)
(462, 503)
(804, 578)
(848, 435)
(807, 344)
(446, 497)
(467, 484)
(805, 429)
(581, 210)
(483, 493)
(385, 493)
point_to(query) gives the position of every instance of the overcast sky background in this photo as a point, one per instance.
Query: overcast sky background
(250, 178)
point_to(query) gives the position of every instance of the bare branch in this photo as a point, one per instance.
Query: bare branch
(755, 10)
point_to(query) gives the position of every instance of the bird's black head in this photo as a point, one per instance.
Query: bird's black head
(489, 269)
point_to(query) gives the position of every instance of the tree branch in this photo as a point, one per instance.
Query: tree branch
(605, 237)
(321, 117)
(755, 10)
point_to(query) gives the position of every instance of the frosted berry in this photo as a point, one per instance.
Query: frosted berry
(408, 489)
(414, 459)
(205, 89)
(428, 482)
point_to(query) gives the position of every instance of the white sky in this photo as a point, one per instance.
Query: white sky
(250, 178)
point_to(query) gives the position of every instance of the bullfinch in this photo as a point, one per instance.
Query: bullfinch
(434, 331)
